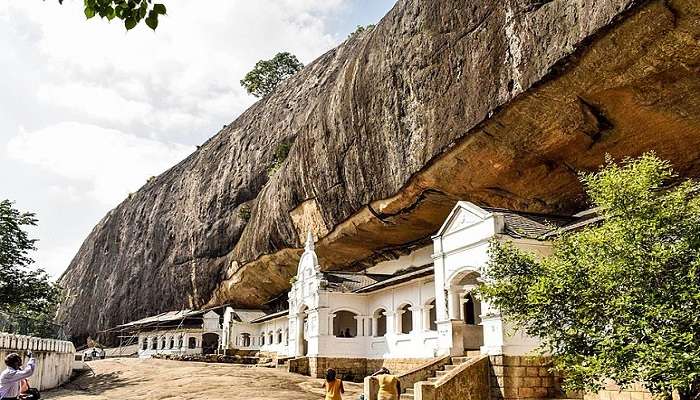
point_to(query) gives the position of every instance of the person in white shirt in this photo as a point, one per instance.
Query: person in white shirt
(11, 378)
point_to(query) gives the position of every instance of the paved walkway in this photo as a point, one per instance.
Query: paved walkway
(174, 380)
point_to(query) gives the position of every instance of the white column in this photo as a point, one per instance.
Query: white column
(417, 318)
(390, 322)
(359, 323)
(426, 317)
(331, 317)
(373, 326)
(453, 303)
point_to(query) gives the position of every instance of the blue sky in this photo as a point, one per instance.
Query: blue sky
(89, 112)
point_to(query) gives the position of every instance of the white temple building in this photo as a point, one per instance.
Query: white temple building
(419, 306)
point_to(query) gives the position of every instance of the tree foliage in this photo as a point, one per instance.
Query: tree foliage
(131, 12)
(267, 74)
(360, 29)
(24, 291)
(619, 299)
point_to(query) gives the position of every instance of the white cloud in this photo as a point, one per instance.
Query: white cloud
(103, 109)
(111, 162)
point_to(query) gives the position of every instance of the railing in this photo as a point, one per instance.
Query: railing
(22, 325)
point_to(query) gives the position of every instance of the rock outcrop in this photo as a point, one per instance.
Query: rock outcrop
(497, 102)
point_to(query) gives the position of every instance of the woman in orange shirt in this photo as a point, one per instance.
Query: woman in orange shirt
(334, 386)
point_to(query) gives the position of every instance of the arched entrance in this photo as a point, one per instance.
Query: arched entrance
(464, 306)
(210, 343)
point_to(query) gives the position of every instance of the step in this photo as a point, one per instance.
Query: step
(409, 391)
(433, 379)
(460, 360)
(472, 353)
(407, 396)
(440, 374)
(450, 367)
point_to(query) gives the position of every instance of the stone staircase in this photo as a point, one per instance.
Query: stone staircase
(407, 393)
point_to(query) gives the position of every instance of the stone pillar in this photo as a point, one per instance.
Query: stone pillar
(417, 319)
(426, 317)
(454, 303)
(331, 317)
(300, 335)
(397, 322)
(390, 322)
(373, 326)
(360, 322)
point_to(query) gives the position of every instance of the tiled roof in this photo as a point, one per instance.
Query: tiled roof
(520, 224)
(247, 316)
(349, 282)
(269, 317)
(346, 282)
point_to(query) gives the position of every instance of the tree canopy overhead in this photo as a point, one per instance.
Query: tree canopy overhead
(619, 299)
(130, 11)
(267, 74)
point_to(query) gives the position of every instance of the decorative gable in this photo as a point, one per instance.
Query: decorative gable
(464, 214)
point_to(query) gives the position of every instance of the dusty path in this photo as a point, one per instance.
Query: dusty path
(158, 379)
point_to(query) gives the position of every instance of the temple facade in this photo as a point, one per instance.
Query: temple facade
(416, 307)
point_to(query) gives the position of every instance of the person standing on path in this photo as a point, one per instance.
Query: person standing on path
(389, 385)
(334, 386)
(12, 377)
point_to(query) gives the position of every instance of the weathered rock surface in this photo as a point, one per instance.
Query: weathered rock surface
(498, 102)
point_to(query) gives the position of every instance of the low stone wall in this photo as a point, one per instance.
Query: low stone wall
(356, 369)
(408, 379)
(613, 392)
(54, 358)
(519, 377)
(299, 365)
(468, 381)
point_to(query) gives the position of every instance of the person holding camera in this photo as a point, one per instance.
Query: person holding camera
(12, 377)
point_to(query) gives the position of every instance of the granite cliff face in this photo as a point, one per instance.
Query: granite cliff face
(497, 102)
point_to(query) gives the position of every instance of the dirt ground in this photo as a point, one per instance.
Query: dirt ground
(129, 378)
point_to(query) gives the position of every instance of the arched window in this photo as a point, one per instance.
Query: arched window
(172, 343)
(380, 322)
(246, 340)
(345, 324)
(179, 342)
(192, 343)
(432, 316)
(262, 339)
(154, 343)
(469, 314)
(286, 336)
(270, 338)
(145, 344)
(162, 343)
(279, 336)
(406, 319)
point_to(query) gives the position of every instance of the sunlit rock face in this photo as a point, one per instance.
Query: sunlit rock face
(500, 103)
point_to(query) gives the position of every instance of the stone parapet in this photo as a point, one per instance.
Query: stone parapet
(523, 377)
(54, 358)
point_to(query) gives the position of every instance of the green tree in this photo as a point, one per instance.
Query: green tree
(25, 292)
(267, 74)
(619, 299)
(130, 11)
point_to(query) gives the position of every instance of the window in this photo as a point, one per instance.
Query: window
(270, 337)
(286, 336)
(279, 336)
(145, 344)
(344, 324)
(406, 319)
(192, 343)
(432, 316)
(162, 343)
(380, 322)
(154, 344)
(179, 342)
(172, 343)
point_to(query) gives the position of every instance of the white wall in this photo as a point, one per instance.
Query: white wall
(54, 358)
(149, 337)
